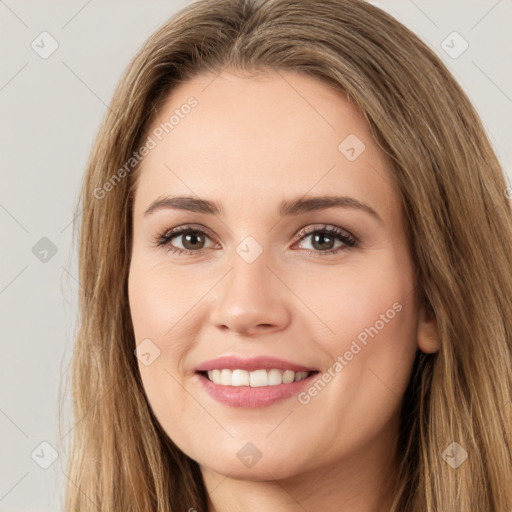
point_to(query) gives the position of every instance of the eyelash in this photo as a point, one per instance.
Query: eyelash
(349, 240)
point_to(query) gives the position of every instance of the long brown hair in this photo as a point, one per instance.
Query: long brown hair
(458, 220)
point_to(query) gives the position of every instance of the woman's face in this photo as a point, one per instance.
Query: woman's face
(273, 272)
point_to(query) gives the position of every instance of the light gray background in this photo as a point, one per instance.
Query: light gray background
(50, 111)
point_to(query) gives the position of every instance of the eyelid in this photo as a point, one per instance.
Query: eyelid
(190, 227)
(330, 228)
(306, 230)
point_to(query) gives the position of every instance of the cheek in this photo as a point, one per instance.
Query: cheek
(382, 349)
(160, 299)
(156, 306)
(371, 344)
(368, 368)
(367, 300)
(151, 304)
(164, 308)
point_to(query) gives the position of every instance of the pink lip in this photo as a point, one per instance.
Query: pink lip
(245, 396)
(251, 398)
(251, 364)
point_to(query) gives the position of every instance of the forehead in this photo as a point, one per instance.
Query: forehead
(249, 139)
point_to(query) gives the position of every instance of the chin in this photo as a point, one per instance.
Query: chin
(271, 469)
(260, 460)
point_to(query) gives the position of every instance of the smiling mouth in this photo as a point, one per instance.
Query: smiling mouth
(256, 378)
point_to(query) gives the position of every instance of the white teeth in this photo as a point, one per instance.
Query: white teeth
(275, 377)
(256, 378)
(240, 378)
(226, 377)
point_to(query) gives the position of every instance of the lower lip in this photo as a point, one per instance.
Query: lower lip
(252, 398)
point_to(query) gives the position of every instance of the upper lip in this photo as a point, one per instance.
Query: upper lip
(251, 364)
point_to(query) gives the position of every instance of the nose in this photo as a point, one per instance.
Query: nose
(251, 299)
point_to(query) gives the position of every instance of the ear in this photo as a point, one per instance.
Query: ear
(429, 340)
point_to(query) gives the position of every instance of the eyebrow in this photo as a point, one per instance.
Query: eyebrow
(287, 208)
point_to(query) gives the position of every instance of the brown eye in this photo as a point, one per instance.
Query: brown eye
(323, 240)
(191, 240)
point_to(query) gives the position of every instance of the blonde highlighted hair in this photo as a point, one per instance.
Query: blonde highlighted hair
(458, 219)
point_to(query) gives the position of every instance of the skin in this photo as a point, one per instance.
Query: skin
(250, 143)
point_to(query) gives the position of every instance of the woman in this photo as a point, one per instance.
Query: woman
(223, 362)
